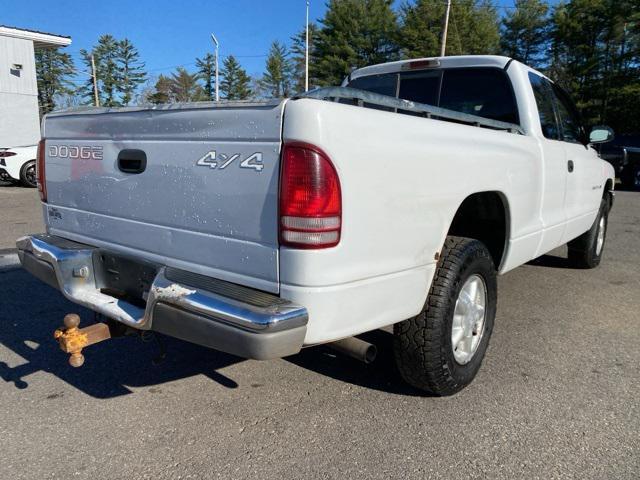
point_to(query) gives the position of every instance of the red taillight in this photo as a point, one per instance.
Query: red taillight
(310, 201)
(6, 153)
(40, 172)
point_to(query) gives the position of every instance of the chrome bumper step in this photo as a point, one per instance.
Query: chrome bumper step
(193, 307)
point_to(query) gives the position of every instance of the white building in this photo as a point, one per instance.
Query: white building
(19, 119)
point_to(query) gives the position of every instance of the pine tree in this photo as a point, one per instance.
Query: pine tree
(162, 93)
(53, 69)
(185, 87)
(524, 32)
(277, 77)
(354, 33)
(119, 71)
(298, 53)
(473, 28)
(421, 28)
(482, 28)
(207, 72)
(105, 54)
(131, 72)
(596, 56)
(235, 81)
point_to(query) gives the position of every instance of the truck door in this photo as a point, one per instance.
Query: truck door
(554, 164)
(584, 184)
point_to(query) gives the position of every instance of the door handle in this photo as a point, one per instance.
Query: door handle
(570, 166)
(132, 161)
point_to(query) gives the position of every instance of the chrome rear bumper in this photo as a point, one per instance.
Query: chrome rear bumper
(200, 309)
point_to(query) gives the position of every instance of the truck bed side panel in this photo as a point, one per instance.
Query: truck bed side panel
(402, 179)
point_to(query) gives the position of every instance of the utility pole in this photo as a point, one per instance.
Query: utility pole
(306, 55)
(96, 98)
(215, 41)
(443, 42)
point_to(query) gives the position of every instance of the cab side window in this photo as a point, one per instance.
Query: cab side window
(568, 116)
(544, 100)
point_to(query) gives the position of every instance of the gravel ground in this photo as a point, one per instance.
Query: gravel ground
(20, 214)
(558, 395)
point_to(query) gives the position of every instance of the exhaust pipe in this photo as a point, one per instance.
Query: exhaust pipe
(355, 348)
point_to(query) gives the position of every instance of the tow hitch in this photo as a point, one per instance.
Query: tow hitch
(73, 339)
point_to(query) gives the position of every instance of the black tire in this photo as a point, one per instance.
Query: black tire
(422, 345)
(583, 251)
(28, 174)
(5, 179)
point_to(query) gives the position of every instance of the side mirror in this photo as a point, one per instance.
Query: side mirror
(601, 134)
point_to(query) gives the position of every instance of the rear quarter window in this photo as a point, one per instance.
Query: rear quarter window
(544, 101)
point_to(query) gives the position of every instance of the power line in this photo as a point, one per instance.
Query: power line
(77, 71)
(512, 7)
(171, 67)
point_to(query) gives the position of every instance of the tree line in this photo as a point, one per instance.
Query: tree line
(590, 47)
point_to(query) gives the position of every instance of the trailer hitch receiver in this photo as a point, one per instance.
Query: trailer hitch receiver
(73, 339)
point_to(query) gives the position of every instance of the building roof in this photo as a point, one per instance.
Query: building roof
(40, 39)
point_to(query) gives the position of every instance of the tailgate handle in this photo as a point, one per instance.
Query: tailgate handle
(132, 161)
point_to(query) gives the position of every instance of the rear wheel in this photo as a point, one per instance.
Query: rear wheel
(28, 174)
(586, 250)
(441, 349)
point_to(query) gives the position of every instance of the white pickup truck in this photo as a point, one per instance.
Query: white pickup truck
(259, 229)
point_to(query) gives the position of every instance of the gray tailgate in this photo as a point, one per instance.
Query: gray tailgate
(211, 213)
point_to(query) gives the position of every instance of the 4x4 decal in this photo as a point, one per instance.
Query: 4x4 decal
(221, 161)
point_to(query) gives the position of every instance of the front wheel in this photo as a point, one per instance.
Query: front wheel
(28, 174)
(441, 349)
(586, 250)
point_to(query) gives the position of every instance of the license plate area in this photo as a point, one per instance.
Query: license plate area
(123, 278)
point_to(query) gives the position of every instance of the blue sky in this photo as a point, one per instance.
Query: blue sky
(169, 33)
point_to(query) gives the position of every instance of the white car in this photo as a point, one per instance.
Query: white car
(18, 164)
(262, 228)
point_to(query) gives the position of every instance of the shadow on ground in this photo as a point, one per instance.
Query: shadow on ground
(551, 261)
(30, 311)
(380, 375)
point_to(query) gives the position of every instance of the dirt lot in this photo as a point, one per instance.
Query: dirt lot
(558, 395)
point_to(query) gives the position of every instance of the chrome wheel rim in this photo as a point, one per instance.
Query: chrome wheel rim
(30, 175)
(469, 319)
(602, 226)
